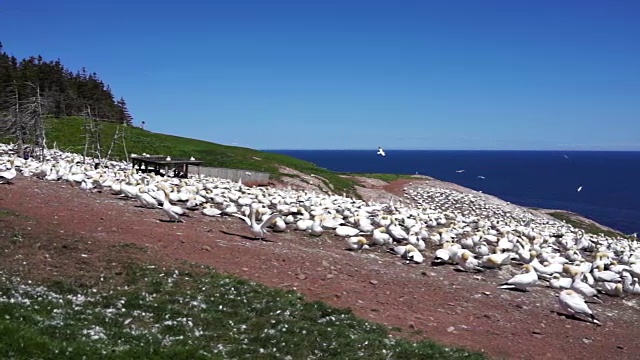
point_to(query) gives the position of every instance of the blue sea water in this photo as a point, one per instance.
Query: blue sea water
(545, 179)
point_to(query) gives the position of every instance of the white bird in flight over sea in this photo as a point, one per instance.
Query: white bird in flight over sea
(480, 177)
(579, 188)
(380, 151)
(459, 171)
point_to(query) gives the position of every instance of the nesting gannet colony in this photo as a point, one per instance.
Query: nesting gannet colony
(437, 227)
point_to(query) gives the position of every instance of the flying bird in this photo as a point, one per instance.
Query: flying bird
(480, 177)
(459, 171)
(579, 188)
(380, 151)
(565, 156)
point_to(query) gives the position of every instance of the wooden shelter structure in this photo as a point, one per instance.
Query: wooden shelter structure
(158, 163)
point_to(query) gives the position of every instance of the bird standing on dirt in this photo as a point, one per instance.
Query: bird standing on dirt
(357, 243)
(259, 231)
(168, 208)
(8, 175)
(522, 281)
(145, 199)
(573, 303)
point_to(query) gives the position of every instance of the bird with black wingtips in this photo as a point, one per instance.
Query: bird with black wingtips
(573, 303)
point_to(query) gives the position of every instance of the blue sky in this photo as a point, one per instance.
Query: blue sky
(356, 74)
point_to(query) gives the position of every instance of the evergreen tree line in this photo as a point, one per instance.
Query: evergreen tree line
(33, 87)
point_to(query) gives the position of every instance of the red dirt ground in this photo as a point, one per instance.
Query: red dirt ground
(434, 302)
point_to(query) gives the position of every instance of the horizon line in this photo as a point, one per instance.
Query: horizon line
(391, 149)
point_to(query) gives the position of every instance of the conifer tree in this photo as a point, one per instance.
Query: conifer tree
(66, 93)
(124, 117)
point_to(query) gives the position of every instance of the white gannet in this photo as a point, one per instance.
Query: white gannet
(522, 281)
(380, 237)
(583, 288)
(381, 152)
(316, 226)
(599, 274)
(210, 211)
(344, 230)
(279, 225)
(496, 260)
(145, 199)
(611, 288)
(467, 262)
(559, 282)
(169, 209)
(396, 232)
(413, 254)
(573, 303)
(8, 175)
(443, 255)
(259, 231)
(357, 243)
(630, 284)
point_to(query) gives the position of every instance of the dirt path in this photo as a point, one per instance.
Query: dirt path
(436, 302)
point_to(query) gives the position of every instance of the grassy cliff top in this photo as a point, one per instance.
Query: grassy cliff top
(68, 135)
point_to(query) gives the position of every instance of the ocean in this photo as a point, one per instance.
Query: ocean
(544, 179)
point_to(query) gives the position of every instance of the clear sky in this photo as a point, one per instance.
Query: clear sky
(346, 74)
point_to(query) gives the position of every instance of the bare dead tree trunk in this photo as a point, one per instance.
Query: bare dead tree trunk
(18, 119)
(86, 134)
(40, 138)
(92, 131)
(124, 145)
(95, 132)
(113, 141)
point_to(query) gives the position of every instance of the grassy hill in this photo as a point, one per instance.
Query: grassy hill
(68, 135)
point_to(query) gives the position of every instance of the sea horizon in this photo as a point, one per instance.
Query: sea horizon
(391, 149)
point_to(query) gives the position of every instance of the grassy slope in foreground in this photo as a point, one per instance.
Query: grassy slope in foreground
(68, 134)
(109, 306)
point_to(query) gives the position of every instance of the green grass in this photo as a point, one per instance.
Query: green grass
(7, 213)
(68, 133)
(164, 314)
(586, 227)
